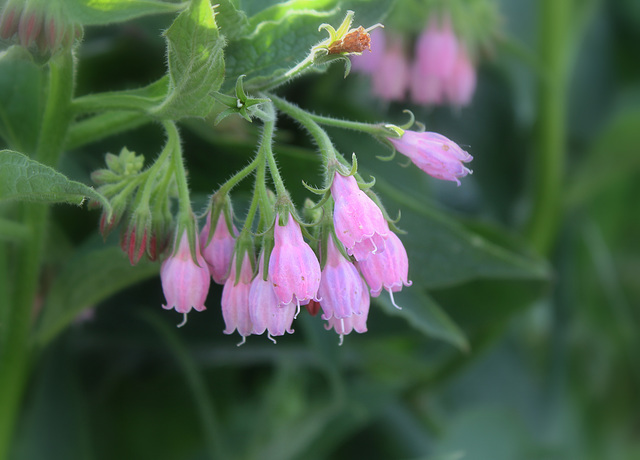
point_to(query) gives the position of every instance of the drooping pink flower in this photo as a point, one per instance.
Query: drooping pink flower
(235, 299)
(340, 286)
(369, 61)
(294, 270)
(435, 154)
(264, 309)
(391, 78)
(388, 270)
(219, 251)
(359, 222)
(459, 88)
(436, 52)
(185, 284)
(344, 326)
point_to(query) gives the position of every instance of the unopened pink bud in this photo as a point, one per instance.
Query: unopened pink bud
(185, 284)
(29, 27)
(340, 286)
(294, 270)
(359, 222)
(133, 245)
(264, 309)
(219, 251)
(434, 154)
(391, 78)
(388, 270)
(235, 299)
(9, 22)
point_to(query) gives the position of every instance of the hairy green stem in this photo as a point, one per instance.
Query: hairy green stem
(267, 139)
(555, 18)
(239, 176)
(102, 126)
(15, 355)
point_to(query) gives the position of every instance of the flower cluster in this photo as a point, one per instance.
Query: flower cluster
(43, 24)
(363, 258)
(441, 72)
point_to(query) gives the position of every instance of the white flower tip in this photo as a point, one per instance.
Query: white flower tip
(244, 340)
(270, 337)
(341, 340)
(184, 320)
(393, 301)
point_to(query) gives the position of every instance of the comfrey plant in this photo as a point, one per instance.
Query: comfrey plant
(333, 254)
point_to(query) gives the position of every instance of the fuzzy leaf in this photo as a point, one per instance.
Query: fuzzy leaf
(196, 63)
(21, 100)
(87, 279)
(423, 313)
(100, 12)
(22, 178)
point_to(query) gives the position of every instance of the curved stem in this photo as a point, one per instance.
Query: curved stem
(550, 156)
(306, 119)
(239, 176)
(15, 353)
(375, 129)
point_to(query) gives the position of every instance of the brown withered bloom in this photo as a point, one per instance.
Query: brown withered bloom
(355, 41)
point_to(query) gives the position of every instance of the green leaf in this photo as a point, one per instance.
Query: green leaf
(232, 22)
(442, 252)
(293, 26)
(100, 12)
(196, 63)
(22, 178)
(87, 279)
(613, 157)
(423, 313)
(21, 98)
(140, 99)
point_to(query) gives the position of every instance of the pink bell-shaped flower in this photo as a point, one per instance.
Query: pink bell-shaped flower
(436, 52)
(344, 326)
(264, 309)
(388, 270)
(185, 284)
(340, 286)
(235, 299)
(294, 270)
(358, 221)
(219, 251)
(391, 78)
(462, 83)
(434, 154)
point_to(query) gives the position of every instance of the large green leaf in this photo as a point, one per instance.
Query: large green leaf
(100, 12)
(87, 279)
(22, 178)
(196, 62)
(442, 252)
(423, 313)
(21, 98)
(614, 155)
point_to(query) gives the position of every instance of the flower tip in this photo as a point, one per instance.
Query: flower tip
(184, 321)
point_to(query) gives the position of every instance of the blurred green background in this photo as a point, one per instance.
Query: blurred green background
(499, 353)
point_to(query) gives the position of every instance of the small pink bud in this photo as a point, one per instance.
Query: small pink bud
(358, 221)
(388, 270)
(264, 309)
(29, 27)
(8, 22)
(185, 284)
(391, 78)
(434, 154)
(133, 245)
(344, 326)
(219, 251)
(340, 286)
(235, 299)
(294, 270)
